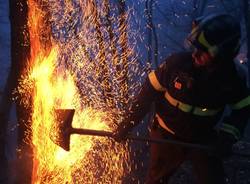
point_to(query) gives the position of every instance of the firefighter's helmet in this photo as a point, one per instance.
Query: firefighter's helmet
(218, 34)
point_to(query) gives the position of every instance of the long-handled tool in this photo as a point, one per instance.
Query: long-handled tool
(65, 129)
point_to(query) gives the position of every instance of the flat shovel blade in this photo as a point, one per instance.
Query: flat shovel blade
(63, 128)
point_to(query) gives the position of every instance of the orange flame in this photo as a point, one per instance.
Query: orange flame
(54, 165)
(90, 160)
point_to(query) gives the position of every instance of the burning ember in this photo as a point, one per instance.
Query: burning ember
(79, 63)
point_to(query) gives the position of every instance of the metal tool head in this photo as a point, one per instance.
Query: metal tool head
(61, 136)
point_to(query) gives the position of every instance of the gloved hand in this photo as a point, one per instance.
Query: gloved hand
(224, 143)
(119, 136)
(121, 132)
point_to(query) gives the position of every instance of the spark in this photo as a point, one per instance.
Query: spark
(84, 61)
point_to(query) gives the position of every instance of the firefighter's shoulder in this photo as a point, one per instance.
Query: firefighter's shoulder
(159, 78)
(175, 61)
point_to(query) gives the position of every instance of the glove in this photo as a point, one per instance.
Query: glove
(121, 132)
(224, 143)
(120, 136)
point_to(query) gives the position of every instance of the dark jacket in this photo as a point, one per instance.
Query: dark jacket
(190, 101)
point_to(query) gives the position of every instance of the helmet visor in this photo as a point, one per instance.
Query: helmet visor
(197, 40)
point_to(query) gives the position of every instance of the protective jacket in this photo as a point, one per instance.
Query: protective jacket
(190, 101)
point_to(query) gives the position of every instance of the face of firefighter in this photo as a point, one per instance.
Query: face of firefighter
(202, 58)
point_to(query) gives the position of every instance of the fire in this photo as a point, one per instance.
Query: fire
(72, 71)
(57, 90)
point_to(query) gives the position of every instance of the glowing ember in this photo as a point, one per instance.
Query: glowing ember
(83, 68)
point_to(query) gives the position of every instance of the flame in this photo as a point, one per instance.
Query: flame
(72, 72)
(53, 164)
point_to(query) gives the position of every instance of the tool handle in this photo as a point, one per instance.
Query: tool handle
(151, 140)
(91, 132)
(169, 141)
(139, 138)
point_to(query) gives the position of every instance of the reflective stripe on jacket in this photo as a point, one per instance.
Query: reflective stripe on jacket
(175, 80)
(200, 111)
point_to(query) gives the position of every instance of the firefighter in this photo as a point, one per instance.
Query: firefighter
(191, 91)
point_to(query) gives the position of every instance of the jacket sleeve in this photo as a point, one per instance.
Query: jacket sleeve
(151, 89)
(240, 110)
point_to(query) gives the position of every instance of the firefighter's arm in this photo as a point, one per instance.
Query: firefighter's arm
(235, 123)
(138, 109)
(151, 89)
(239, 103)
(233, 127)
